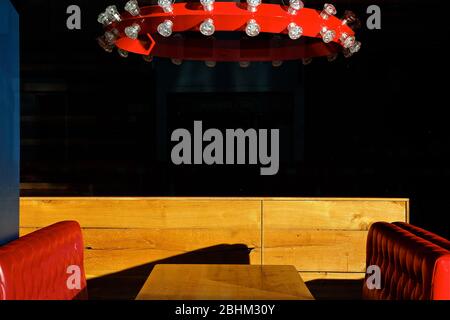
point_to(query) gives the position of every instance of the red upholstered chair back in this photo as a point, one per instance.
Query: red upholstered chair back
(424, 234)
(412, 268)
(43, 265)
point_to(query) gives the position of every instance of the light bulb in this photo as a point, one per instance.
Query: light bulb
(351, 20)
(165, 28)
(244, 64)
(132, 31)
(122, 53)
(207, 27)
(132, 8)
(348, 17)
(346, 52)
(327, 35)
(355, 47)
(252, 29)
(306, 61)
(294, 31)
(176, 61)
(328, 10)
(276, 38)
(332, 57)
(346, 40)
(111, 36)
(104, 44)
(113, 14)
(210, 64)
(178, 36)
(166, 5)
(208, 5)
(147, 58)
(294, 6)
(104, 19)
(252, 5)
(277, 63)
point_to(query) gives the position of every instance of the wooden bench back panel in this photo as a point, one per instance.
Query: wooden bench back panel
(342, 214)
(141, 213)
(322, 237)
(325, 235)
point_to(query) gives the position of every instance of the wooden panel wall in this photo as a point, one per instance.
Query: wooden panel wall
(324, 238)
(124, 233)
(125, 237)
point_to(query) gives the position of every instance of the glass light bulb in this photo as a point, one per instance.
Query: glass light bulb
(244, 64)
(328, 10)
(208, 5)
(166, 5)
(294, 31)
(210, 64)
(277, 63)
(306, 61)
(252, 5)
(132, 31)
(113, 14)
(332, 57)
(346, 40)
(111, 36)
(165, 28)
(207, 27)
(277, 38)
(355, 47)
(122, 53)
(351, 20)
(252, 29)
(104, 44)
(176, 61)
(346, 52)
(104, 19)
(327, 35)
(132, 8)
(294, 6)
(147, 58)
(348, 17)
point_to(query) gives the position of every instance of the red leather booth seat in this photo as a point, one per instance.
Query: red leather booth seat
(414, 263)
(37, 266)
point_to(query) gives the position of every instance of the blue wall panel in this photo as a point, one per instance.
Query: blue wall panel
(9, 122)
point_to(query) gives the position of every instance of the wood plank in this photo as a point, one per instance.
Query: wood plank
(142, 213)
(333, 214)
(331, 199)
(315, 250)
(131, 251)
(227, 282)
(221, 198)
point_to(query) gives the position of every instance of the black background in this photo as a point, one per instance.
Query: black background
(374, 125)
(284, 309)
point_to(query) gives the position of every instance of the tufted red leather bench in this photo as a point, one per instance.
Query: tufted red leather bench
(414, 263)
(42, 265)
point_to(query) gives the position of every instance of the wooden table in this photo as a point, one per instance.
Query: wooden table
(224, 282)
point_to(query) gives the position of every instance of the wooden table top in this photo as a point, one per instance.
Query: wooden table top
(224, 282)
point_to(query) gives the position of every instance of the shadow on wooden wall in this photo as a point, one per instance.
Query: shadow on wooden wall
(126, 284)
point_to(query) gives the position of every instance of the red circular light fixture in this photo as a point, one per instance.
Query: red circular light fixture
(300, 32)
